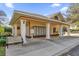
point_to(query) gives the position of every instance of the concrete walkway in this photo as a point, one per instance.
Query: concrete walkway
(40, 47)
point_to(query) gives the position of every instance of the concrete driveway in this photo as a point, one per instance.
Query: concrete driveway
(42, 47)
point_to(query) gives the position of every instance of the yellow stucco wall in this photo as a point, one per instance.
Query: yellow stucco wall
(31, 23)
(57, 26)
(37, 23)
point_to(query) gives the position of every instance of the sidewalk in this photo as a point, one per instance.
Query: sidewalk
(44, 47)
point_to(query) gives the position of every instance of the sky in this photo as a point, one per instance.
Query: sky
(38, 8)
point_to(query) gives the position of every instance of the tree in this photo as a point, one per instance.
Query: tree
(2, 17)
(1, 30)
(74, 8)
(73, 12)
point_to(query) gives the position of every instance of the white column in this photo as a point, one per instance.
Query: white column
(12, 30)
(61, 30)
(48, 31)
(68, 31)
(23, 31)
(32, 33)
(15, 30)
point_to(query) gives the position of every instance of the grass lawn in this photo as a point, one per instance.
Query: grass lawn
(2, 51)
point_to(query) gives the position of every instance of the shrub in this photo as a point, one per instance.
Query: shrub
(2, 41)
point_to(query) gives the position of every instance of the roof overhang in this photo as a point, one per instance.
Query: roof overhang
(18, 14)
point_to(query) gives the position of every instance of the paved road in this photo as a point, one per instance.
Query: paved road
(73, 52)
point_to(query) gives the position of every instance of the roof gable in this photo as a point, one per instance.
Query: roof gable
(57, 16)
